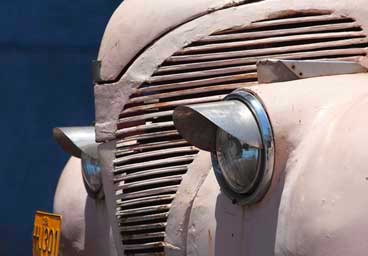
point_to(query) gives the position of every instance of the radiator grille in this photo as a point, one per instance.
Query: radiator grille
(151, 157)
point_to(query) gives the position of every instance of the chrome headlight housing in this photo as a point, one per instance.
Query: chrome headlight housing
(244, 167)
(80, 142)
(238, 133)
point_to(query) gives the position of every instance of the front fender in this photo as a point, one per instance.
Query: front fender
(315, 205)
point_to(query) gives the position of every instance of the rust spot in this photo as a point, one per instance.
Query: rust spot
(210, 242)
(295, 13)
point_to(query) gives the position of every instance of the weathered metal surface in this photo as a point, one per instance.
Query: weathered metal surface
(154, 163)
(148, 209)
(143, 89)
(133, 140)
(226, 50)
(203, 72)
(196, 91)
(251, 35)
(304, 178)
(200, 62)
(270, 50)
(162, 15)
(157, 106)
(144, 200)
(147, 192)
(196, 83)
(276, 39)
(153, 145)
(177, 226)
(199, 74)
(157, 181)
(270, 71)
(86, 226)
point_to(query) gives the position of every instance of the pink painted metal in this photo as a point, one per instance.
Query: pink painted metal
(314, 204)
(155, 56)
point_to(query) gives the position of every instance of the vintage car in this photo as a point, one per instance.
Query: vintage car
(223, 127)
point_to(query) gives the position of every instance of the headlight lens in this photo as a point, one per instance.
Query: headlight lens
(238, 163)
(91, 172)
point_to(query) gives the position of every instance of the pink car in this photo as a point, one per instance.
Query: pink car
(223, 127)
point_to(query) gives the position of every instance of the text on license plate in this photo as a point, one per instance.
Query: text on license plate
(46, 234)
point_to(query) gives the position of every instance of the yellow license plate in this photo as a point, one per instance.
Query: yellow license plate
(46, 234)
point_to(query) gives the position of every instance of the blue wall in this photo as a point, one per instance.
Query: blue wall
(46, 48)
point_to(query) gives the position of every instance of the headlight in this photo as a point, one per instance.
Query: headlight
(80, 142)
(243, 160)
(239, 136)
(92, 179)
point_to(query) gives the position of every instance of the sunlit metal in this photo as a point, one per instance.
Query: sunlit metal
(80, 142)
(238, 134)
(75, 140)
(275, 70)
(198, 123)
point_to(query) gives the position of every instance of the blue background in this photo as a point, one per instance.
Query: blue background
(46, 49)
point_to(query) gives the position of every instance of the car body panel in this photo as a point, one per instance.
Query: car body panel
(138, 23)
(313, 204)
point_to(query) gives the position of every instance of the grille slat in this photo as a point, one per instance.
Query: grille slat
(155, 145)
(253, 60)
(154, 135)
(278, 32)
(170, 160)
(149, 192)
(271, 50)
(293, 39)
(143, 227)
(147, 174)
(151, 157)
(141, 210)
(144, 218)
(173, 178)
(170, 104)
(188, 149)
(145, 117)
(300, 21)
(149, 235)
(144, 201)
(143, 246)
(252, 76)
(204, 73)
(144, 127)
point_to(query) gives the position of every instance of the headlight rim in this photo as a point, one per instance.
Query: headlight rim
(266, 165)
